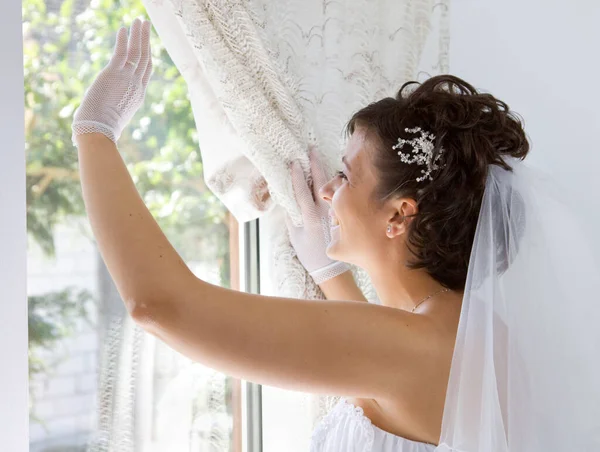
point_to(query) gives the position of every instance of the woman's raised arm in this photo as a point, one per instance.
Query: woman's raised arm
(333, 347)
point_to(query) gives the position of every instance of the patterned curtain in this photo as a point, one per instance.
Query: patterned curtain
(267, 79)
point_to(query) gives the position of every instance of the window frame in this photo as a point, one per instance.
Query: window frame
(14, 397)
(252, 436)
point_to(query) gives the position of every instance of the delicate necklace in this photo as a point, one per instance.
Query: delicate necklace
(428, 297)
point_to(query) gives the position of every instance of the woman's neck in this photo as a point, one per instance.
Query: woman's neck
(402, 288)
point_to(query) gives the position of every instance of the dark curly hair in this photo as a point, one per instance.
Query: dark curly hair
(476, 130)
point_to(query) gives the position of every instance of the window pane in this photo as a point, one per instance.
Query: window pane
(95, 378)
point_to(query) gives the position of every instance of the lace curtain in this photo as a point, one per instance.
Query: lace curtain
(266, 80)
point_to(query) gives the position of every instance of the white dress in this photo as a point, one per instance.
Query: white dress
(346, 429)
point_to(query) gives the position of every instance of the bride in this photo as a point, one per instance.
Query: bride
(435, 204)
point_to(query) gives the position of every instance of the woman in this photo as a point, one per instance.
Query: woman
(405, 208)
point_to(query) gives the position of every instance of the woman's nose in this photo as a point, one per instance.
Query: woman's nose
(326, 191)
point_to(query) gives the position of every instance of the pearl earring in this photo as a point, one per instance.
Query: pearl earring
(389, 229)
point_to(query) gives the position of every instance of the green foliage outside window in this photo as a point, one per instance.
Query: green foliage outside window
(66, 43)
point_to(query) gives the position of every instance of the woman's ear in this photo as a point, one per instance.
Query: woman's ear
(401, 216)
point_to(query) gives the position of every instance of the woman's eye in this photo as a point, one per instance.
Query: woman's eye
(341, 174)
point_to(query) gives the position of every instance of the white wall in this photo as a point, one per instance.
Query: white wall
(541, 57)
(13, 271)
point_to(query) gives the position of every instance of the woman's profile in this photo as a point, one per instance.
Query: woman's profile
(432, 202)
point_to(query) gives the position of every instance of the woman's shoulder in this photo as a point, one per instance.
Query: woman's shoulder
(442, 318)
(415, 410)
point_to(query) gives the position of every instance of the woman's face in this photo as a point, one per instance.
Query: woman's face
(358, 233)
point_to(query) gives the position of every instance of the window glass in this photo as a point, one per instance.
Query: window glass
(95, 378)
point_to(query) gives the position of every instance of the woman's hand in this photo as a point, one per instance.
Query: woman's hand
(311, 240)
(119, 89)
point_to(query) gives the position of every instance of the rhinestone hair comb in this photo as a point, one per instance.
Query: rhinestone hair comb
(422, 152)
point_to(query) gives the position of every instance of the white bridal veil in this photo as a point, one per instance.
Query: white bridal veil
(525, 374)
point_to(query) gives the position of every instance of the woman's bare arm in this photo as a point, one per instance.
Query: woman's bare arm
(333, 347)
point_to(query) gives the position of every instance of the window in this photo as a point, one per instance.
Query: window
(94, 376)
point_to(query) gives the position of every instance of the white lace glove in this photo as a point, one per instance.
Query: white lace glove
(119, 89)
(310, 240)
